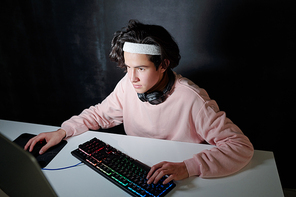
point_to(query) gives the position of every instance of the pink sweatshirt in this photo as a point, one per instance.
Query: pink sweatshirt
(187, 115)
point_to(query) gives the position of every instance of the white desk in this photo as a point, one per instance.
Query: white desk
(259, 178)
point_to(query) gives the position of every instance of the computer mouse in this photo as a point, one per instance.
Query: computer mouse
(37, 147)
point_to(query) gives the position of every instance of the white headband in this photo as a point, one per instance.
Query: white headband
(148, 49)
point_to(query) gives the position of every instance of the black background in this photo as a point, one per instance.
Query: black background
(54, 60)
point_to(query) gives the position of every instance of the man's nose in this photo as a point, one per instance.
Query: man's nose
(133, 75)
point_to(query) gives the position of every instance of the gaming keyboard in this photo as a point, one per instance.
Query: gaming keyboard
(127, 173)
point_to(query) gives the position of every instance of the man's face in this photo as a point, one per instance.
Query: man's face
(142, 72)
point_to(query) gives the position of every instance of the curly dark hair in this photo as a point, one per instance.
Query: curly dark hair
(137, 32)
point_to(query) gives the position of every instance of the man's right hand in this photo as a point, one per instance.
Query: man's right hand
(51, 138)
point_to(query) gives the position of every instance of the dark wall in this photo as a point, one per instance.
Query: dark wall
(54, 60)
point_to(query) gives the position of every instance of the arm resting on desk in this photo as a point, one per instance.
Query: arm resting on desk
(233, 149)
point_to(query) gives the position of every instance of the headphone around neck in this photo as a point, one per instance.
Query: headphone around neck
(157, 97)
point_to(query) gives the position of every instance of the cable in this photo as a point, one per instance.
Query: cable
(63, 167)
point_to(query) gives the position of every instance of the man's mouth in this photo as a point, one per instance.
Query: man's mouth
(137, 86)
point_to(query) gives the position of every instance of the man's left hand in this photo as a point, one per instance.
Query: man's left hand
(176, 171)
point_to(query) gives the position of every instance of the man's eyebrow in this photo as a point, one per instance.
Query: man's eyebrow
(141, 66)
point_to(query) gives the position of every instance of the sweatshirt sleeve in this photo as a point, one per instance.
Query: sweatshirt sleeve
(233, 149)
(106, 114)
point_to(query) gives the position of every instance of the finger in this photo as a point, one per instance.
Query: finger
(167, 180)
(160, 175)
(49, 144)
(153, 176)
(153, 168)
(28, 144)
(44, 148)
(150, 172)
(157, 175)
(34, 140)
(33, 143)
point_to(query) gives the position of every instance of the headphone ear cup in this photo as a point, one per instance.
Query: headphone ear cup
(154, 98)
(142, 97)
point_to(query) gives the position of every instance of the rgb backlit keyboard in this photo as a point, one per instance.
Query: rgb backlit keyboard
(127, 173)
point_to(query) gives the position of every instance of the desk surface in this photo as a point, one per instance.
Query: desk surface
(258, 178)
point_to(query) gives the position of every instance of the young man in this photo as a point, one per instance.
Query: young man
(153, 101)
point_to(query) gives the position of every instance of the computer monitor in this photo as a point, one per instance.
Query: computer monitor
(20, 173)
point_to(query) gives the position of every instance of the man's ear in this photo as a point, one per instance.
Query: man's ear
(164, 65)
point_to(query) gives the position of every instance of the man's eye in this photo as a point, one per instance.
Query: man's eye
(141, 69)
